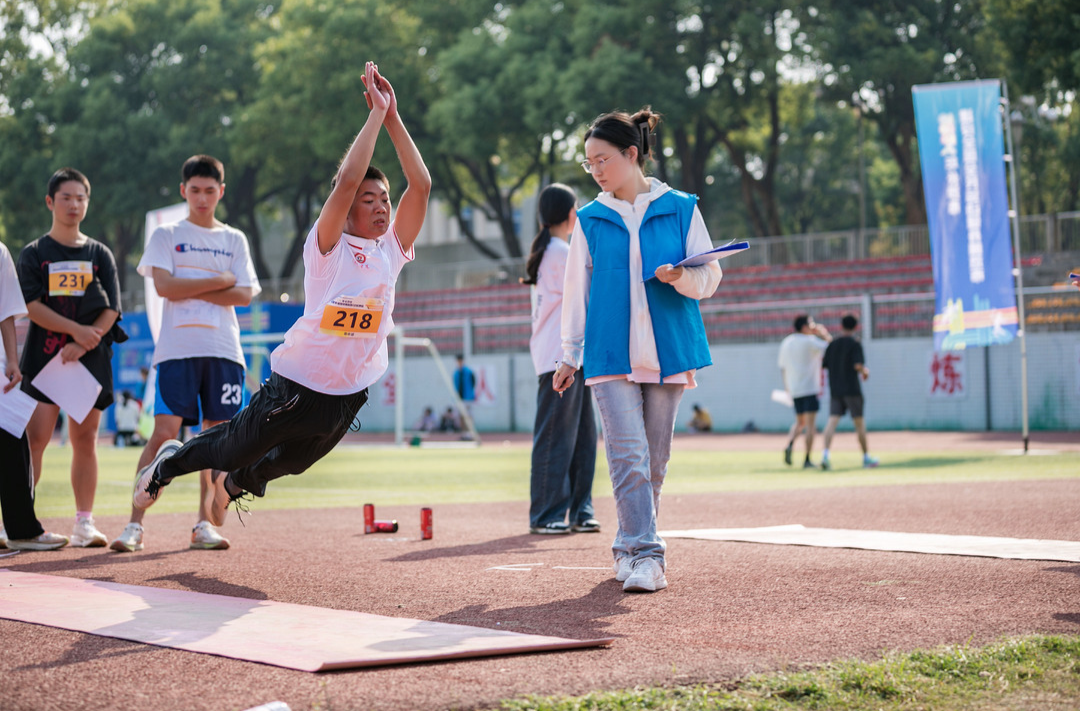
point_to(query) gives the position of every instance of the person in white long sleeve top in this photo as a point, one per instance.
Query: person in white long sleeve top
(632, 322)
(564, 436)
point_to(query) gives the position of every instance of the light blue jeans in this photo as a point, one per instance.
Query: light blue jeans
(638, 421)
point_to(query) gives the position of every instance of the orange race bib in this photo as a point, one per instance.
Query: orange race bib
(70, 278)
(352, 317)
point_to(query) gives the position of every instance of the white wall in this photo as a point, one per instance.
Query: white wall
(736, 389)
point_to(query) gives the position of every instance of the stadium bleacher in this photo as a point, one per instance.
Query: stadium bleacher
(488, 305)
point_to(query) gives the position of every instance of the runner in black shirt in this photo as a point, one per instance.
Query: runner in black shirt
(846, 365)
(72, 295)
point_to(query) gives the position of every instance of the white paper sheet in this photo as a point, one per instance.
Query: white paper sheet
(782, 397)
(70, 385)
(16, 407)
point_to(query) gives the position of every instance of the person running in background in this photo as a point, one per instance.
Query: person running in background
(202, 269)
(846, 365)
(72, 294)
(16, 476)
(800, 368)
(336, 350)
(631, 321)
(564, 434)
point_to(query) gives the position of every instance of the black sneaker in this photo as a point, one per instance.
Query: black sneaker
(787, 454)
(590, 525)
(550, 528)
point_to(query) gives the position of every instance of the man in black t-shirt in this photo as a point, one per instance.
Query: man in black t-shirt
(72, 292)
(846, 365)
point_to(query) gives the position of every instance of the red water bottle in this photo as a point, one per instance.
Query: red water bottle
(386, 527)
(425, 524)
(369, 518)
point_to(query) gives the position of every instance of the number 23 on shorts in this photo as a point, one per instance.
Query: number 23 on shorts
(352, 317)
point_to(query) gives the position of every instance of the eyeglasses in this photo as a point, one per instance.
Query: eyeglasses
(591, 168)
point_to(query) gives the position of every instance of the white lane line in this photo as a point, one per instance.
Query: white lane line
(516, 566)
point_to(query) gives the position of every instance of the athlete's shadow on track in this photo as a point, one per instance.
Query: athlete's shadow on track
(60, 565)
(583, 617)
(101, 645)
(525, 543)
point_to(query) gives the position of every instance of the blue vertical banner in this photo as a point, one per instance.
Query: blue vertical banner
(961, 149)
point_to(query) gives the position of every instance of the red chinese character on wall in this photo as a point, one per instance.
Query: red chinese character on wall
(947, 376)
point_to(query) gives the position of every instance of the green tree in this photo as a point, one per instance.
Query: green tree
(874, 51)
(1039, 39)
(310, 103)
(714, 70)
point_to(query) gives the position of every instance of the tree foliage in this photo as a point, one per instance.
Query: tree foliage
(762, 102)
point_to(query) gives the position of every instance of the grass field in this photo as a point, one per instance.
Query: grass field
(351, 475)
(1027, 673)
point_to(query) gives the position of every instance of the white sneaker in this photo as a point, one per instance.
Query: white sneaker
(147, 485)
(86, 535)
(648, 576)
(3, 537)
(205, 537)
(129, 540)
(44, 542)
(623, 567)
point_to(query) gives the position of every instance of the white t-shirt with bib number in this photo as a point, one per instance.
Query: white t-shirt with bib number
(193, 328)
(338, 347)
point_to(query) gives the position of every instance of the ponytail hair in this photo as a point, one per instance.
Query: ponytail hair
(553, 208)
(623, 131)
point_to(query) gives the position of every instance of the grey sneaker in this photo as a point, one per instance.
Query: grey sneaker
(129, 540)
(3, 537)
(205, 537)
(623, 567)
(826, 465)
(554, 528)
(147, 484)
(45, 542)
(647, 576)
(86, 535)
(787, 454)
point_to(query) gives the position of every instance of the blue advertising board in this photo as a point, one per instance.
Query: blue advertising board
(963, 167)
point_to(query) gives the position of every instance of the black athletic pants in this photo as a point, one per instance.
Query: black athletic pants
(284, 430)
(17, 488)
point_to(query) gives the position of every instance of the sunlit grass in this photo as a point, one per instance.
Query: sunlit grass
(351, 475)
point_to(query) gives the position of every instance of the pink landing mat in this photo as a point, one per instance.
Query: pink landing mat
(283, 634)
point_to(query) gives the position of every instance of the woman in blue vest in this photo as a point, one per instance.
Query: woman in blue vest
(633, 320)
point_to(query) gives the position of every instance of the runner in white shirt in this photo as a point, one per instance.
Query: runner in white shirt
(800, 367)
(202, 269)
(337, 349)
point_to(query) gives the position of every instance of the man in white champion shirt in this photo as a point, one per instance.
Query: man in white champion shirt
(202, 269)
(337, 349)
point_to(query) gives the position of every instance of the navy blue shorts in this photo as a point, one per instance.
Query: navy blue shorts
(807, 403)
(198, 389)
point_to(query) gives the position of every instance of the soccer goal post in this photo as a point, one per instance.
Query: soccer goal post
(401, 341)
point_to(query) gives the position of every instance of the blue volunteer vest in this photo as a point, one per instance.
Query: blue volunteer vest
(676, 319)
